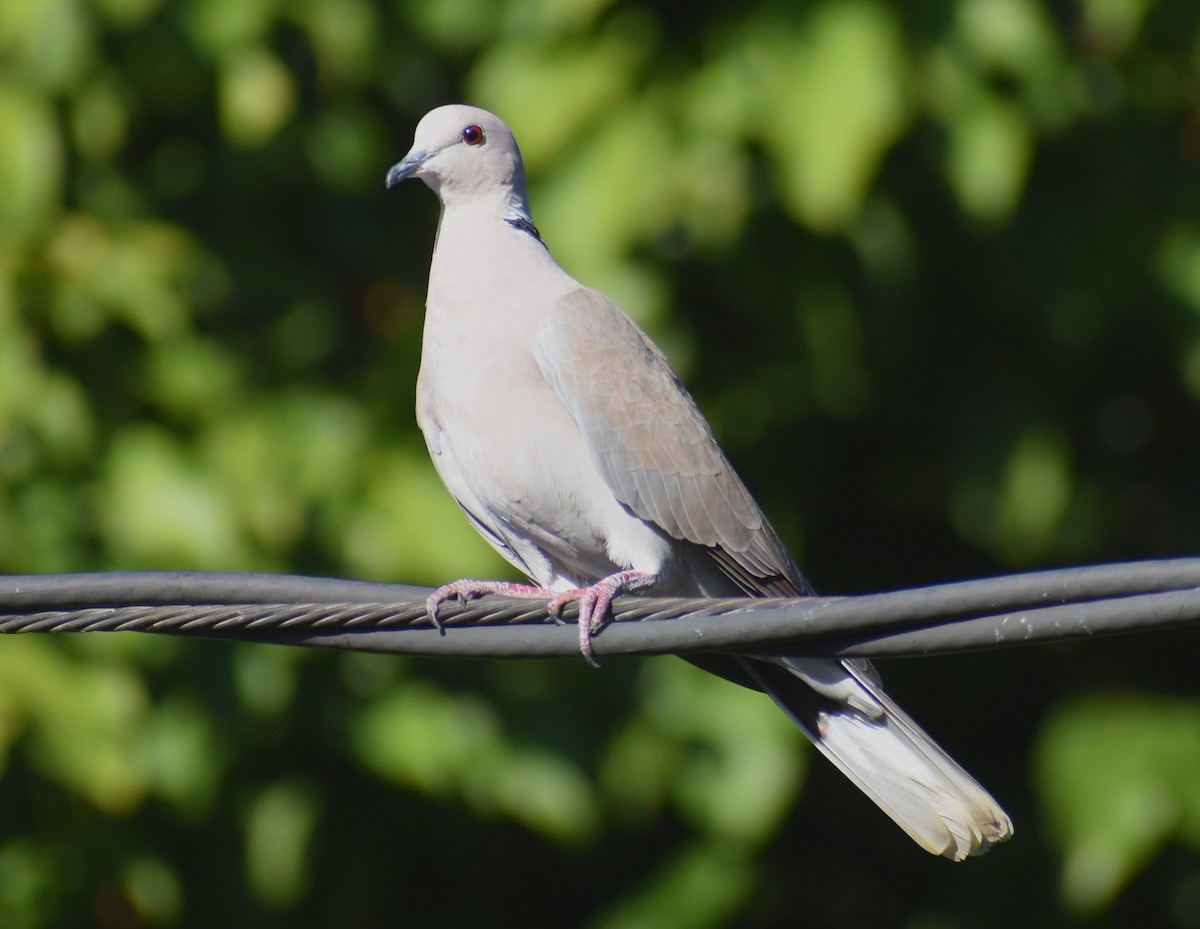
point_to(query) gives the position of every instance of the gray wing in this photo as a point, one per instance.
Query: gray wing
(652, 444)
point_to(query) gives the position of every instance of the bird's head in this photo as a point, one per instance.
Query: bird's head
(463, 151)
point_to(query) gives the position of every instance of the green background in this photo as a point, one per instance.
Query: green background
(931, 268)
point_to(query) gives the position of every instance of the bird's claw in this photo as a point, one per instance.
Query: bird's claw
(594, 604)
(465, 590)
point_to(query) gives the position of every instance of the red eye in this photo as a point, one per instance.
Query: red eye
(473, 135)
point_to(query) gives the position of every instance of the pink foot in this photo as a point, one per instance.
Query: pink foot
(594, 603)
(464, 590)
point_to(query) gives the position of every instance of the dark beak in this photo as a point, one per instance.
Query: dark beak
(407, 168)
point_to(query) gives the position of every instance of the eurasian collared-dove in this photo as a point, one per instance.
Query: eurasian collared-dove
(577, 453)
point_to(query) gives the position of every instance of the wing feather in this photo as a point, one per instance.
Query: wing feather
(652, 444)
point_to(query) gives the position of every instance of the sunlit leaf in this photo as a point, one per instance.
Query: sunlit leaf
(159, 510)
(1036, 490)
(257, 96)
(1113, 24)
(991, 145)
(279, 826)
(450, 746)
(739, 768)
(30, 164)
(1118, 779)
(184, 758)
(83, 721)
(699, 889)
(1179, 263)
(344, 34)
(154, 889)
(47, 42)
(835, 105)
(554, 95)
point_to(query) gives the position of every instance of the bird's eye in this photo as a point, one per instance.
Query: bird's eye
(473, 135)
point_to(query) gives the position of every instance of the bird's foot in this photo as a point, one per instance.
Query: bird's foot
(594, 603)
(464, 590)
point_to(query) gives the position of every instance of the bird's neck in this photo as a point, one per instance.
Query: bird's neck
(497, 200)
(498, 233)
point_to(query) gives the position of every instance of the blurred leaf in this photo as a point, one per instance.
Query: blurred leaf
(47, 42)
(833, 108)
(723, 754)
(192, 377)
(1116, 775)
(257, 96)
(840, 385)
(184, 758)
(407, 526)
(27, 885)
(220, 25)
(142, 274)
(30, 165)
(630, 151)
(454, 27)
(1035, 493)
(551, 17)
(160, 511)
(1021, 514)
(267, 678)
(346, 146)
(1018, 39)
(1113, 24)
(287, 463)
(344, 34)
(279, 827)
(453, 746)
(991, 145)
(698, 889)
(154, 890)
(1179, 264)
(1191, 371)
(556, 94)
(100, 119)
(82, 721)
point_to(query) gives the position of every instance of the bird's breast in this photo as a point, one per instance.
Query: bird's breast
(504, 443)
(500, 436)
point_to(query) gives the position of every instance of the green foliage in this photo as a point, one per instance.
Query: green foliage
(1118, 778)
(933, 269)
(449, 745)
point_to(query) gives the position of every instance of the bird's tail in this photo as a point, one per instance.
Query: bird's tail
(842, 708)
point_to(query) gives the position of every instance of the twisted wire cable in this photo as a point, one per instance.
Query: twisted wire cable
(1019, 609)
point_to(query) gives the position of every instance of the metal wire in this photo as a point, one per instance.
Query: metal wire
(1019, 609)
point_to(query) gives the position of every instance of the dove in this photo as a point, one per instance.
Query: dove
(575, 450)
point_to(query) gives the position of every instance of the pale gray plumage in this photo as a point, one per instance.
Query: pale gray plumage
(574, 449)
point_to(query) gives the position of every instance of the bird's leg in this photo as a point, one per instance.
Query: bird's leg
(463, 590)
(594, 603)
